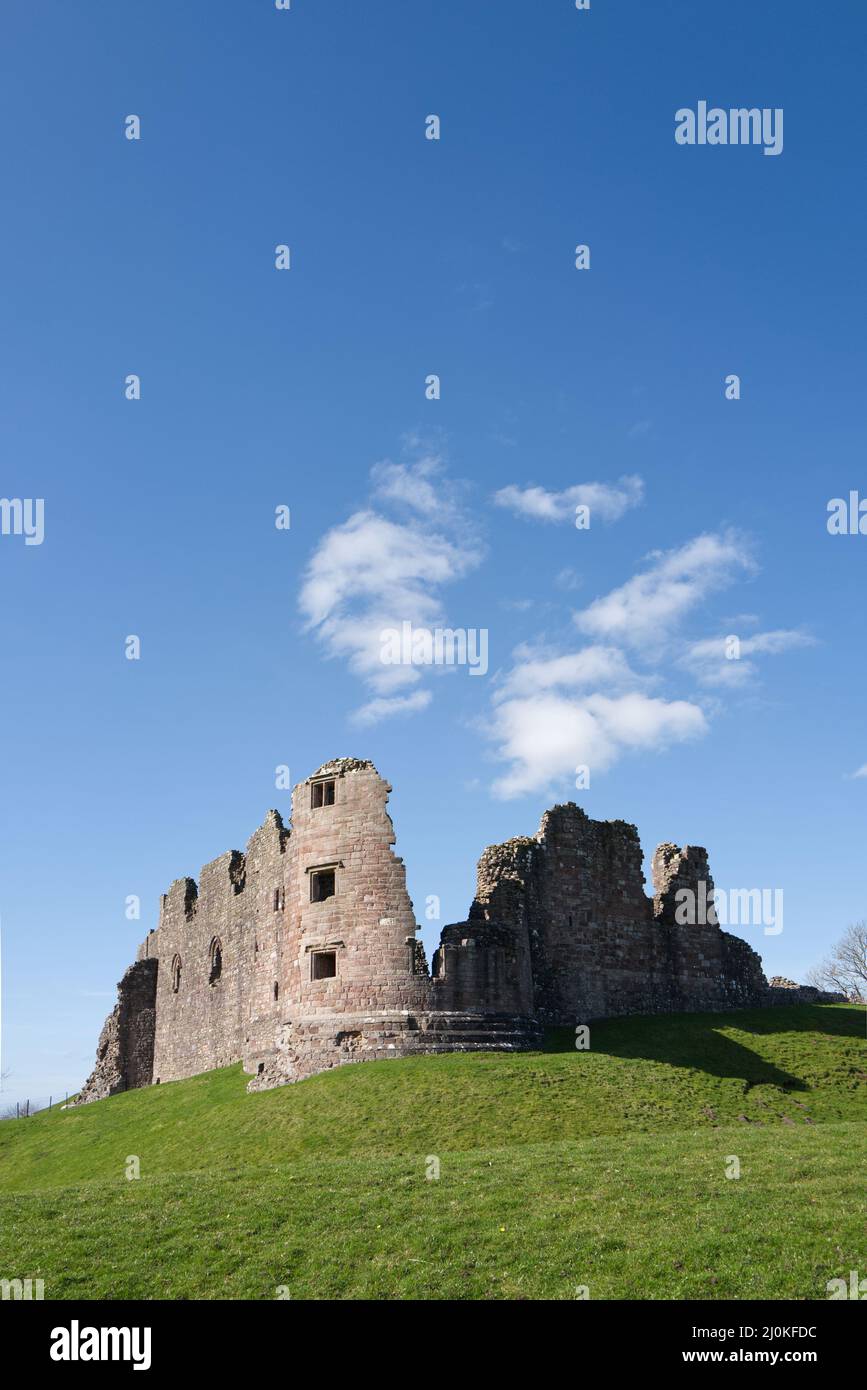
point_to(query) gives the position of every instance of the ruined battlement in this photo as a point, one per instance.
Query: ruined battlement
(302, 953)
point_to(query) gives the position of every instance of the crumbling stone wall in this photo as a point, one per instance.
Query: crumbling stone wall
(125, 1051)
(677, 871)
(302, 953)
(598, 946)
(783, 991)
(219, 944)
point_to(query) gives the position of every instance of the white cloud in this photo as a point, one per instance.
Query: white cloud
(739, 621)
(412, 485)
(555, 712)
(862, 771)
(712, 663)
(545, 737)
(536, 672)
(606, 502)
(647, 607)
(568, 579)
(376, 710)
(371, 573)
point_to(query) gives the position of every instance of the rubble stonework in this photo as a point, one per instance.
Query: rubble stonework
(125, 1051)
(783, 991)
(302, 953)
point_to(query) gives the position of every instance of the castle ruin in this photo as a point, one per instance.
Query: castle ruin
(302, 954)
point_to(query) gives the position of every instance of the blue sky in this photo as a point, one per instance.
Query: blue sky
(307, 388)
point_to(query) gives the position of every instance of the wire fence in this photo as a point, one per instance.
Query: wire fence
(30, 1105)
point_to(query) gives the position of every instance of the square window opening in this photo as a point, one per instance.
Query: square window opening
(321, 885)
(324, 965)
(322, 794)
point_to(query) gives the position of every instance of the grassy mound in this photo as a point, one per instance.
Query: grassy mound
(557, 1169)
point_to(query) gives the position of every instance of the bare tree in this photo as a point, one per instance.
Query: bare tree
(10, 1112)
(845, 969)
(22, 1109)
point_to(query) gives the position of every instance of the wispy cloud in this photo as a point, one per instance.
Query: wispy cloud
(558, 709)
(607, 502)
(413, 485)
(385, 708)
(536, 671)
(376, 570)
(726, 660)
(648, 607)
(568, 579)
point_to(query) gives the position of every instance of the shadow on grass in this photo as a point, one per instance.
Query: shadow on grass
(695, 1041)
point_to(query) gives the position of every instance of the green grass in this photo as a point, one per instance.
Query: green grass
(557, 1169)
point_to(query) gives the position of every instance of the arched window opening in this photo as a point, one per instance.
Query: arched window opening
(216, 960)
(176, 974)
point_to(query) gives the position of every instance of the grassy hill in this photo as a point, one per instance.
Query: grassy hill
(557, 1169)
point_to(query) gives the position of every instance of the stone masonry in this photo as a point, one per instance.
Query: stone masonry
(302, 953)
